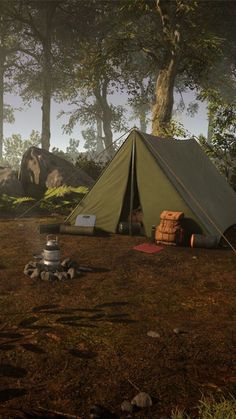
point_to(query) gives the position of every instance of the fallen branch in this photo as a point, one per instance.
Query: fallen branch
(38, 413)
(55, 412)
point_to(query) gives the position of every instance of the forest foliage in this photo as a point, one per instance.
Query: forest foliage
(90, 53)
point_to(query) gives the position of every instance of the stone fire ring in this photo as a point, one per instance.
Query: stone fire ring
(67, 270)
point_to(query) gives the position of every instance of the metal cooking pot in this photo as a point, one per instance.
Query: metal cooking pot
(51, 252)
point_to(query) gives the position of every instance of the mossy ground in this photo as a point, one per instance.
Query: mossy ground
(65, 346)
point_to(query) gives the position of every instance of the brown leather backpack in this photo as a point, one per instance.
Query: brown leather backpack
(170, 230)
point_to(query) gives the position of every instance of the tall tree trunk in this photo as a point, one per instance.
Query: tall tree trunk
(142, 111)
(107, 118)
(162, 110)
(100, 93)
(1, 103)
(143, 123)
(100, 147)
(47, 78)
(46, 106)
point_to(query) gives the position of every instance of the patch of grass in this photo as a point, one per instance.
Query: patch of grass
(210, 409)
(179, 414)
(224, 409)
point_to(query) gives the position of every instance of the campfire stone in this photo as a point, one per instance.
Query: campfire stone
(72, 272)
(65, 263)
(35, 274)
(29, 267)
(28, 271)
(63, 276)
(67, 270)
(45, 275)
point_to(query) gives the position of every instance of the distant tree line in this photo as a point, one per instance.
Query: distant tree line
(83, 52)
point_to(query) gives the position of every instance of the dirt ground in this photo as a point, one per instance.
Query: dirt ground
(67, 345)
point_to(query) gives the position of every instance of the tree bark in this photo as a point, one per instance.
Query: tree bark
(46, 98)
(46, 39)
(47, 88)
(107, 118)
(143, 123)
(1, 102)
(101, 97)
(162, 110)
(100, 147)
(142, 112)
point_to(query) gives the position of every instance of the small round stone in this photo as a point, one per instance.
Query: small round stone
(35, 274)
(47, 276)
(177, 331)
(43, 275)
(65, 263)
(153, 334)
(63, 276)
(142, 400)
(72, 273)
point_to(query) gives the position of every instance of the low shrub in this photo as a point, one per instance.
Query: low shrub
(60, 200)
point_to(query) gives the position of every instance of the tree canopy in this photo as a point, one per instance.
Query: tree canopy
(89, 52)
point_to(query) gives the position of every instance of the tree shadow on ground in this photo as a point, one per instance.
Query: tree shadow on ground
(12, 393)
(8, 370)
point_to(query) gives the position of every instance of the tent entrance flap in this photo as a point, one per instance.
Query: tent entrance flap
(131, 211)
(105, 199)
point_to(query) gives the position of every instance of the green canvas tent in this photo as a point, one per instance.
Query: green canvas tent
(160, 174)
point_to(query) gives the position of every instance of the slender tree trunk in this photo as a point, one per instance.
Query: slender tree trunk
(107, 118)
(100, 146)
(47, 73)
(1, 104)
(142, 111)
(162, 110)
(143, 124)
(101, 97)
(46, 98)
(45, 138)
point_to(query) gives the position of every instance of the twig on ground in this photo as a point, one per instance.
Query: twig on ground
(55, 412)
(134, 385)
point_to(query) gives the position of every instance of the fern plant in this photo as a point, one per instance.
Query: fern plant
(61, 199)
(6, 203)
(22, 200)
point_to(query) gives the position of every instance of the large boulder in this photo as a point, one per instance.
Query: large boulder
(41, 170)
(9, 183)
